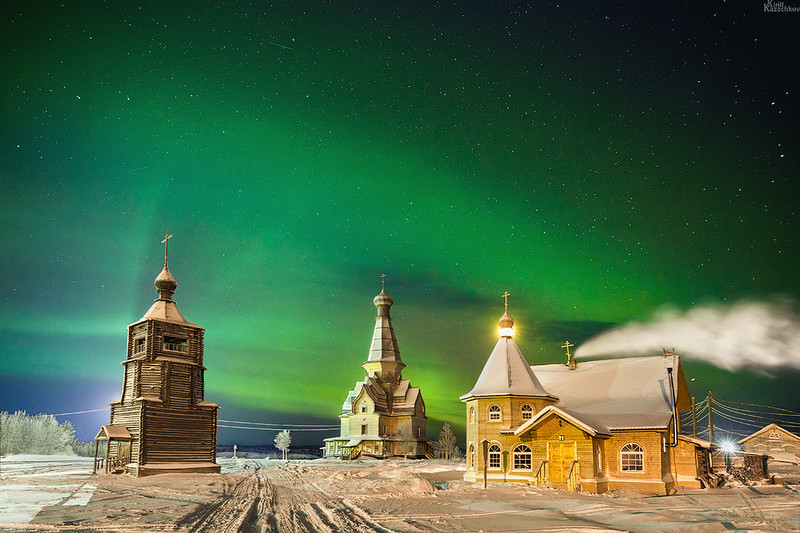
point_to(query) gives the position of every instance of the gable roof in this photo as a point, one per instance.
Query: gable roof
(507, 373)
(586, 423)
(627, 393)
(769, 428)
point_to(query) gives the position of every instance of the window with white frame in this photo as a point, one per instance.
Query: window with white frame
(494, 456)
(522, 457)
(527, 412)
(494, 413)
(632, 458)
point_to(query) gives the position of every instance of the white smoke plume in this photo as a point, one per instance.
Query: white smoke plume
(748, 334)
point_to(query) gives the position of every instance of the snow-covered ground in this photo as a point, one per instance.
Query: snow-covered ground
(60, 494)
(34, 488)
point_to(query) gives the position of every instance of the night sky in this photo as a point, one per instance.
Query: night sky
(600, 163)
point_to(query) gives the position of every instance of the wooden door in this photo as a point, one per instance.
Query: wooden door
(560, 454)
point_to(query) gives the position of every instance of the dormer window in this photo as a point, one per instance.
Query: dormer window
(138, 345)
(176, 344)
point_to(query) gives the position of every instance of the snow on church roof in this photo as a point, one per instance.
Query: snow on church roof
(507, 373)
(627, 393)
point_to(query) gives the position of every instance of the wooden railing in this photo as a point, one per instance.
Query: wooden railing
(539, 476)
(573, 475)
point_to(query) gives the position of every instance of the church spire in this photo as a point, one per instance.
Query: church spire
(164, 307)
(165, 283)
(506, 322)
(384, 355)
(507, 372)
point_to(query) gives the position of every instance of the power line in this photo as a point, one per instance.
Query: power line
(332, 428)
(81, 412)
(281, 426)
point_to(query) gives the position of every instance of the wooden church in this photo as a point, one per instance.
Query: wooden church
(162, 423)
(383, 415)
(592, 426)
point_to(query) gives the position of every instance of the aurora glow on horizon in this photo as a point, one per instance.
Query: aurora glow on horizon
(598, 163)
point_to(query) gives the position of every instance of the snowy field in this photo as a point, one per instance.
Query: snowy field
(52, 493)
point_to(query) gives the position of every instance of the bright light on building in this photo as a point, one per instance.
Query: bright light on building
(506, 332)
(728, 447)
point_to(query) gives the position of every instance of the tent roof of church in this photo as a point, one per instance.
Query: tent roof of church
(507, 373)
(384, 342)
(626, 393)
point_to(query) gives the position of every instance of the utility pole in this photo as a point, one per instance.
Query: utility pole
(710, 418)
(694, 418)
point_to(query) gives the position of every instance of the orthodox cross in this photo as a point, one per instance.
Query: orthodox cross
(567, 345)
(383, 282)
(167, 237)
(505, 296)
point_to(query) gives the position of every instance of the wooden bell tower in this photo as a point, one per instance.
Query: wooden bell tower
(172, 427)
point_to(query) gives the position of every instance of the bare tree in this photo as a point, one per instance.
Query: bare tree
(282, 441)
(447, 440)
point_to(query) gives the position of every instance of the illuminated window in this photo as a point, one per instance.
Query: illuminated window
(176, 344)
(632, 458)
(471, 415)
(494, 456)
(527, 412)
(494, 413)
(522, 457)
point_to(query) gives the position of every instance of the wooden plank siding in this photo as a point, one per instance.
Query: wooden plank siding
(179, 435)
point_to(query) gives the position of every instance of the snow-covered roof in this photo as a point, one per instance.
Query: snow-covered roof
(770, 428)
(507, 373)
(626, 393)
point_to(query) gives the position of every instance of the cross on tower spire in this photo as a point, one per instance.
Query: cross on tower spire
(167, 237)
(505, 296)
(383, 282)
(567, 345)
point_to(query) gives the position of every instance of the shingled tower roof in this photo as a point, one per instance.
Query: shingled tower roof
(384, 343)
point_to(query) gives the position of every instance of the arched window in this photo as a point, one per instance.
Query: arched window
(522, 457)
(471, 415)
(527, 412)
(494, 413)
(471, 464)
(632, 458)
(494, 456)
(789, 448)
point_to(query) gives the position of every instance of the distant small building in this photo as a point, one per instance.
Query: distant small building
(774, 441)
(593, 426)
(162, 422)
(383, 415)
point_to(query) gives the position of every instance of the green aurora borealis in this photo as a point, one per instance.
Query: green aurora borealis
(598, 163)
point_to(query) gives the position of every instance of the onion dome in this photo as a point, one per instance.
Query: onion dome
(383, 299)
(165, 284)
(383, 302)
(506, 321)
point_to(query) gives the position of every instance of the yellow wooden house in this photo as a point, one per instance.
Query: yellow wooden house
(596, 426)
